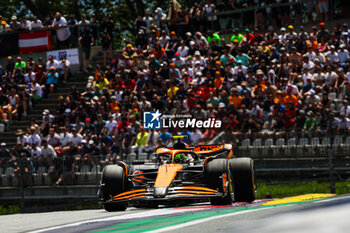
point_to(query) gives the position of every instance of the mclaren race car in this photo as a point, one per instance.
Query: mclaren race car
(180, 174)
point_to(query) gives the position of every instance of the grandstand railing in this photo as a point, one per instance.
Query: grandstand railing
(72, 41)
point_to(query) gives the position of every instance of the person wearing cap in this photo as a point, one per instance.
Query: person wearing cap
(14, 25)
(344, 32)
(178, 60)
(332, 54)
(114, 108)
(240, 68)
(198, 58)
(218, 80)
(52, 63)
(22, 137)
(312, 99)
(343, 54)
(249, 37)
(110, 125)
(283, 36)
(5, 156)
(236, 36)
(47, 117)
(141, 41)
(323, 33)
(4, 27)
(291, 35)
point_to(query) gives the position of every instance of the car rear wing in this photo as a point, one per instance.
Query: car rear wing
(212, 149)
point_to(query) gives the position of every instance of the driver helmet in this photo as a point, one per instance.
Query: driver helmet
(180, 158)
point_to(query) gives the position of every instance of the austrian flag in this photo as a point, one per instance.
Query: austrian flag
(29, 42)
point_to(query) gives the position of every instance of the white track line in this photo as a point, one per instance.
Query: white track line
(141, 214)
(171, 228)
(333, 199)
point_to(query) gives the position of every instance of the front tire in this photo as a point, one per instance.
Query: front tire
(243, 179)
(113, 183)
(215, 171)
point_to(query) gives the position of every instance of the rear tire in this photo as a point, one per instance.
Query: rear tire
(242, 173)
(114, 180)
(213, 173)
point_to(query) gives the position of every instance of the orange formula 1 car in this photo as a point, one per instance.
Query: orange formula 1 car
(180, 174)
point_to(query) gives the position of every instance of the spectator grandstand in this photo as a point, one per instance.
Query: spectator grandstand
(264, 83)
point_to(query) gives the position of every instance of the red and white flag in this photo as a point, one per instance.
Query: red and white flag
(29, 42)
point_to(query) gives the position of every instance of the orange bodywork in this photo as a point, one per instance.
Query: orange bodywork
(140, 176)
(207, 149)
(166, 174)
(128, 194)
(129, 197)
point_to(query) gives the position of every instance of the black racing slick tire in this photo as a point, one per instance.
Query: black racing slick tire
(214, 172)
(243, 179)
(113, 183)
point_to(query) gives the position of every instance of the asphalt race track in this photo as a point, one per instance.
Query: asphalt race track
(309, 213)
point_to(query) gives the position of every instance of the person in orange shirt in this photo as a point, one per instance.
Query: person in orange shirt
(205, 91)
(218, 80)
(158, 51)
(235, 99)
(290, 98)
(280, 98)
(114, 104)
(313, 43)
(97, 72)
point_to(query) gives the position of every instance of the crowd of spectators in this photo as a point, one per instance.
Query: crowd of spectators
(23, 83)
(285, 83)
